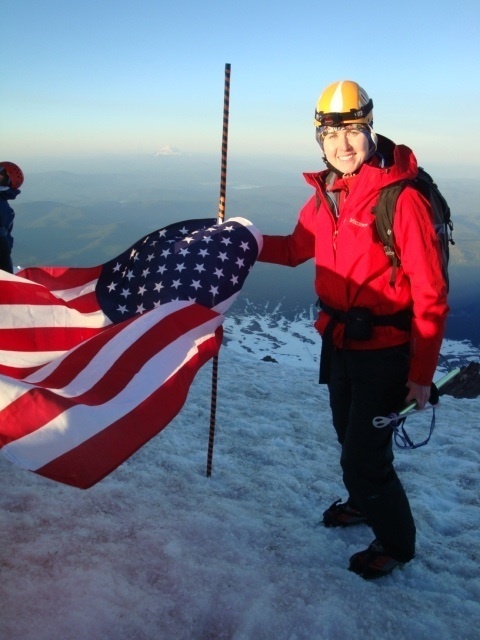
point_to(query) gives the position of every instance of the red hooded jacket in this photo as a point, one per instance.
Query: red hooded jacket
(352, 269)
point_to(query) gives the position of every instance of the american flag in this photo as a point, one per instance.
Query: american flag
(96, 361)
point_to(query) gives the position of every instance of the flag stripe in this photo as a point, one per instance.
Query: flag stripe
(50, 277)
(87, 464)
(16, 316)
(33, 294)
(86, 303)
(30, 293)
(71, 293)
(49, 339)
(19, 373)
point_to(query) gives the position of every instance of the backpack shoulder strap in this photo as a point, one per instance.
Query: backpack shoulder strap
(384, 212)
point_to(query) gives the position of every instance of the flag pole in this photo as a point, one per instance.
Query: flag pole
(221, 218)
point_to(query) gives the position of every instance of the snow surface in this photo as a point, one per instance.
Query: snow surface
(159, 551)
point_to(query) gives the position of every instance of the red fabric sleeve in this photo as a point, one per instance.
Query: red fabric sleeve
(420, 256)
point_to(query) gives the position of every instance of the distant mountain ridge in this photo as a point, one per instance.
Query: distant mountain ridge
(169, 150)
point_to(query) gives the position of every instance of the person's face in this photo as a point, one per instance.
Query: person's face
(346, 149)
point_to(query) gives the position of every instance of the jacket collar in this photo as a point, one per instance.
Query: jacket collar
(399, 160)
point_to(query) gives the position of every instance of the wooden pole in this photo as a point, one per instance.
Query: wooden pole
(221, 218)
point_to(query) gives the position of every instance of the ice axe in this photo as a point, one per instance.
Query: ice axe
(396, 420)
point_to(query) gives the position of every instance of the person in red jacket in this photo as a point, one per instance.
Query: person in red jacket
(381, 327)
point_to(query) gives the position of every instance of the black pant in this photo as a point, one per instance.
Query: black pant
(363, 385)
(5, 255)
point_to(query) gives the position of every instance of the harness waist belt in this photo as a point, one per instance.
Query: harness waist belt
(400, 320)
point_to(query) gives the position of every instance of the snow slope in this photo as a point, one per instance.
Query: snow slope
(159, 551)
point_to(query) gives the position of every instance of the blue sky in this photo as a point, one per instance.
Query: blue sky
(103, 76)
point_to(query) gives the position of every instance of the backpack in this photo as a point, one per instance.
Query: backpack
(385, 208)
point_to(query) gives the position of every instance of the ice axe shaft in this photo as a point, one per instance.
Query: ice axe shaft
(443, 381)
